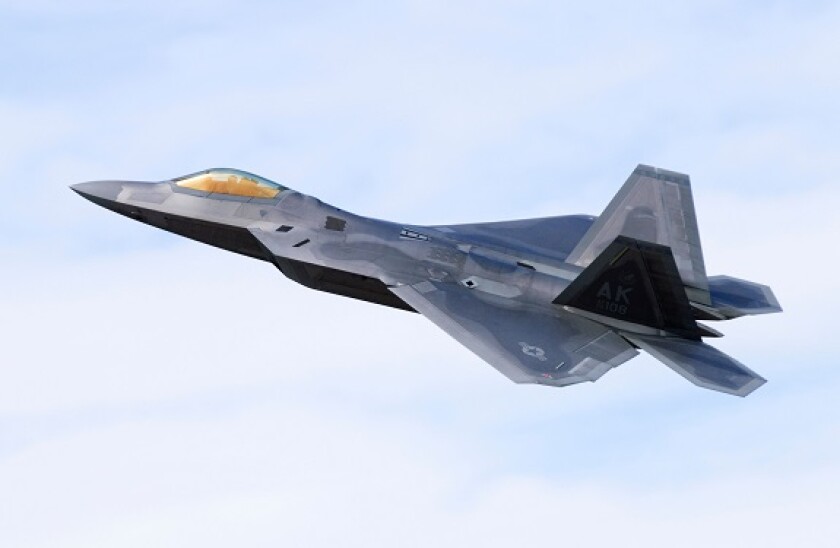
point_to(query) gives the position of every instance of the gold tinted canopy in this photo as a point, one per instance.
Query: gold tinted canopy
(231, 181)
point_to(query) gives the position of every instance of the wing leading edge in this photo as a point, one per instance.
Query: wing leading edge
(552, 237)
(527, 345)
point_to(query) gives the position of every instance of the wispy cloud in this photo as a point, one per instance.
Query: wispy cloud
(153, 391)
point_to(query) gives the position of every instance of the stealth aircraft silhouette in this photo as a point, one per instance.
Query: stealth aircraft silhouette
(553, 301)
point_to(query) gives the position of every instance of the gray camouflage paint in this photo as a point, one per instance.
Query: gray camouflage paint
(489, 285)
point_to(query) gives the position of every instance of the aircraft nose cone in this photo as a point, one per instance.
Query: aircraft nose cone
(98, 191)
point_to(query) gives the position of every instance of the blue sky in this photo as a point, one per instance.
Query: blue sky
(127, 417)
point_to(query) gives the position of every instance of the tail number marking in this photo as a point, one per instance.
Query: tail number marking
(613, 300)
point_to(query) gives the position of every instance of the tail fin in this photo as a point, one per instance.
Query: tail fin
(635, 287)
(636, 283)
(654, 205)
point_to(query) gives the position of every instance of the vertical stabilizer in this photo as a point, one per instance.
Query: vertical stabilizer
(634, 282)
(654, 205)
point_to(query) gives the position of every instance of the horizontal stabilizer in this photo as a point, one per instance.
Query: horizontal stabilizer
(733, 298)
(700, 363)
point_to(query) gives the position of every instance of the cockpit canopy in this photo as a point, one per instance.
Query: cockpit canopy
(230, 181)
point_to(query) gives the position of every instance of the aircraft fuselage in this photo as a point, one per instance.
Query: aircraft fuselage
(329, 249)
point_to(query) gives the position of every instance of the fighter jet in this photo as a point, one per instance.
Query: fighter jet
(552, 301)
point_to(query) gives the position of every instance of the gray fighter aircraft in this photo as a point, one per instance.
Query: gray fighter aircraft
(553, 301)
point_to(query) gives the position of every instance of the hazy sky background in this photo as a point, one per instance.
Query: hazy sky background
(157, 392)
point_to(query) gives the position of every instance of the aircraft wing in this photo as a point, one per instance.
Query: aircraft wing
(553, 237)
(528, 345)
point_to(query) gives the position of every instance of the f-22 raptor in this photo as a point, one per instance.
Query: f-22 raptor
(552, 301)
